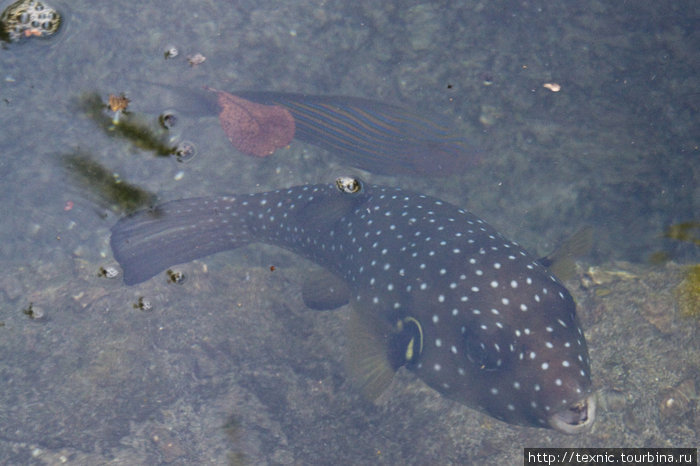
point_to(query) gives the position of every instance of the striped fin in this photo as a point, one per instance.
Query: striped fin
(367, 362)
(375, 136)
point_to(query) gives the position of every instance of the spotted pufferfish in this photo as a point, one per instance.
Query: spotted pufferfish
(433, 288)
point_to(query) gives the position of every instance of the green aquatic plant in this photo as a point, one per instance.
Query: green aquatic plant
(115, 120)
(684, 231)
(688, 292)
(104, 186)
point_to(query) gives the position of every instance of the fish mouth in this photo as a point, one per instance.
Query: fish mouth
(575, 418)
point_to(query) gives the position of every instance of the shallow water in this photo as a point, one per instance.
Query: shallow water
(230, 366)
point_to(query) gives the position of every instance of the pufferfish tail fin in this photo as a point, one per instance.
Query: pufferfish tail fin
(149, 241)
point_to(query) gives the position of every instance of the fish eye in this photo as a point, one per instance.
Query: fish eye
(480, 355)
(348, 184)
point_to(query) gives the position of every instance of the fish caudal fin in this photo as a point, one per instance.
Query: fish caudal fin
(150, 241)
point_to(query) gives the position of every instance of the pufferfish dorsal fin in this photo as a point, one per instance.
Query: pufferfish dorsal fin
(562, 261)
(323, 212)
(324, 291)
(377, 350)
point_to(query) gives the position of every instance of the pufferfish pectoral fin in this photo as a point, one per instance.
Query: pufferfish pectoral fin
(378, 349)
(324, 291)
(367, 361)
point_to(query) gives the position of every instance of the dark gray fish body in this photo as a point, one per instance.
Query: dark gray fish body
(471, 313)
